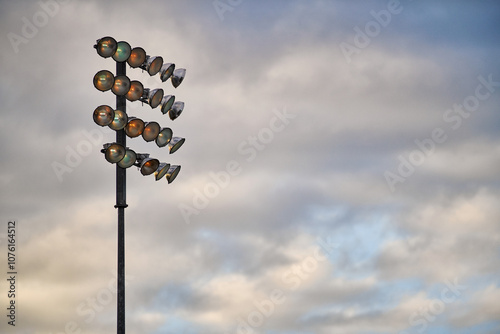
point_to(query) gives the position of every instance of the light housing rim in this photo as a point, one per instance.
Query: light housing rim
(166, 71)
(178, 76)
(106, 55)
(113, 126)
(150, 97)
(166, 129)
(149, 62)
(108, 147)
(133, 85)
(148, 124)
(118, 57)
(125, 80)
(108, 109)
(176, 110)
(175, 144)
(129, 163)
(167, 102)
(146, 172)
(172, 173)
(162, 170)
(96, 80)
(130, 120)
(136, 49)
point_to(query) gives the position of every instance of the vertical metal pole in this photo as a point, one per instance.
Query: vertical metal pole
(121, 205)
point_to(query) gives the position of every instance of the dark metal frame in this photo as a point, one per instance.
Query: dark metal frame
(121, 204)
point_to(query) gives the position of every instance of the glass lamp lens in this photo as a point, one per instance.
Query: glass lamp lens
(134, 127)
(135, 92)
(154, 65)
(149, 166)
(104, 80)
(175, 144)
(164, 137)
(103, 115)
(106, 47)
(176, 110)
(178, 77)
(161, 171)
(137, 57)
(123, 51)
(155, 97)
(166, 103)
(119, 121)
(166, 71)
(151, 131)
(114, 153)
(172, 173)
(121, 85)
(128, 160)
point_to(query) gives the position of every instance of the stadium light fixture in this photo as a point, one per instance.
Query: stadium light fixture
(166, 71)
(122, 53)
(152, 65)
(167, 103)
(172, 173)
(175, 144)
(176, 110)
(104, 80)
(137, 57)
(153, 97)
(178, 77)
(106, 47)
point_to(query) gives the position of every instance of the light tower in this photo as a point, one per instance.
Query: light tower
(117, 119)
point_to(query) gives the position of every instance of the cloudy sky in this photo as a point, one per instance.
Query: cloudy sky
(340, 170)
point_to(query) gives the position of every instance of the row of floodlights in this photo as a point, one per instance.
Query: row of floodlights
(121, 85)
(121, 51)
(117, 120)
(125, 158)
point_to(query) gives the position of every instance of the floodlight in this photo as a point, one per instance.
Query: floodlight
(121, 85)
(178, 76)
(151, 131)
(175, 144)
(103, 115)
(113, 152)
(176, 110)
(164, 137)
(120, 120)
(166, 71)
(137, 57)
(172, 173)
(134, 127)
(152, 64)
(106, 47)
(162, 170)
(149, 166)
(152, 97)
(128, 160)
(104, 80)
(136, 91)
(123, 51)
(166, 103)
